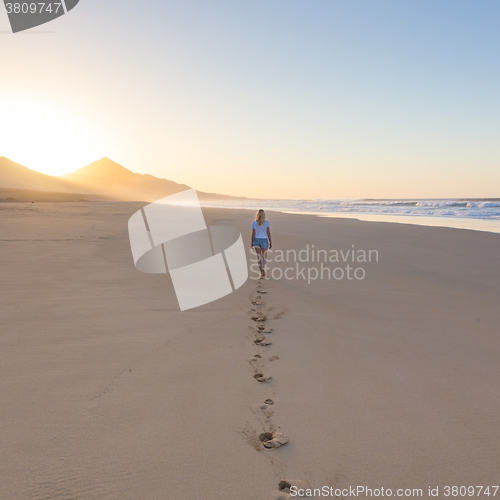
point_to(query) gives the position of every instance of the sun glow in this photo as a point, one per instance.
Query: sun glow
(46, 138)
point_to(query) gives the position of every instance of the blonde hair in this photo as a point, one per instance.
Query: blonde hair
(260, 217)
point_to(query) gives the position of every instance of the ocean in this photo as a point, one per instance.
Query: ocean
(473, 213)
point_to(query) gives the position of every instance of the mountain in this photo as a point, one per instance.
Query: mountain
(103, 177)
(17, 176)
(107, 177)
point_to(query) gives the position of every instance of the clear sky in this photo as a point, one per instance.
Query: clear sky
(274, 98)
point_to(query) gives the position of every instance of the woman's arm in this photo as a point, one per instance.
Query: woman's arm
(269, 238)
(253, 237)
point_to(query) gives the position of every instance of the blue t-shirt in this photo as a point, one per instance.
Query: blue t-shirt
(260, 231)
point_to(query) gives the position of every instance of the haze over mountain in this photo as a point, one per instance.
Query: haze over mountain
(17, 176)
(103, 177)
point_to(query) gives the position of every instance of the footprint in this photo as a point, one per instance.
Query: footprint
(262, 291)
(264, 327)
(288, 483)
(259, 318)
(262, 342)
(262, 377)
(285, 488)
(257, 357)
(273, 439)
(256, 303)
(267, 404)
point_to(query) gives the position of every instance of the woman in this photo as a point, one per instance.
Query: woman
(261, 239)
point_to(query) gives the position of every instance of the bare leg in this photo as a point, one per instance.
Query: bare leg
(259, 257)
(264, 261)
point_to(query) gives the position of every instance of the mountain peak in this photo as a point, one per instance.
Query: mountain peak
(103, 168)
(107, 176)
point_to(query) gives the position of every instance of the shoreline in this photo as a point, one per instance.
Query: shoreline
(467, 223)
(470, 222)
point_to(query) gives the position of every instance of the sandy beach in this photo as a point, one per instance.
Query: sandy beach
(108, 391)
